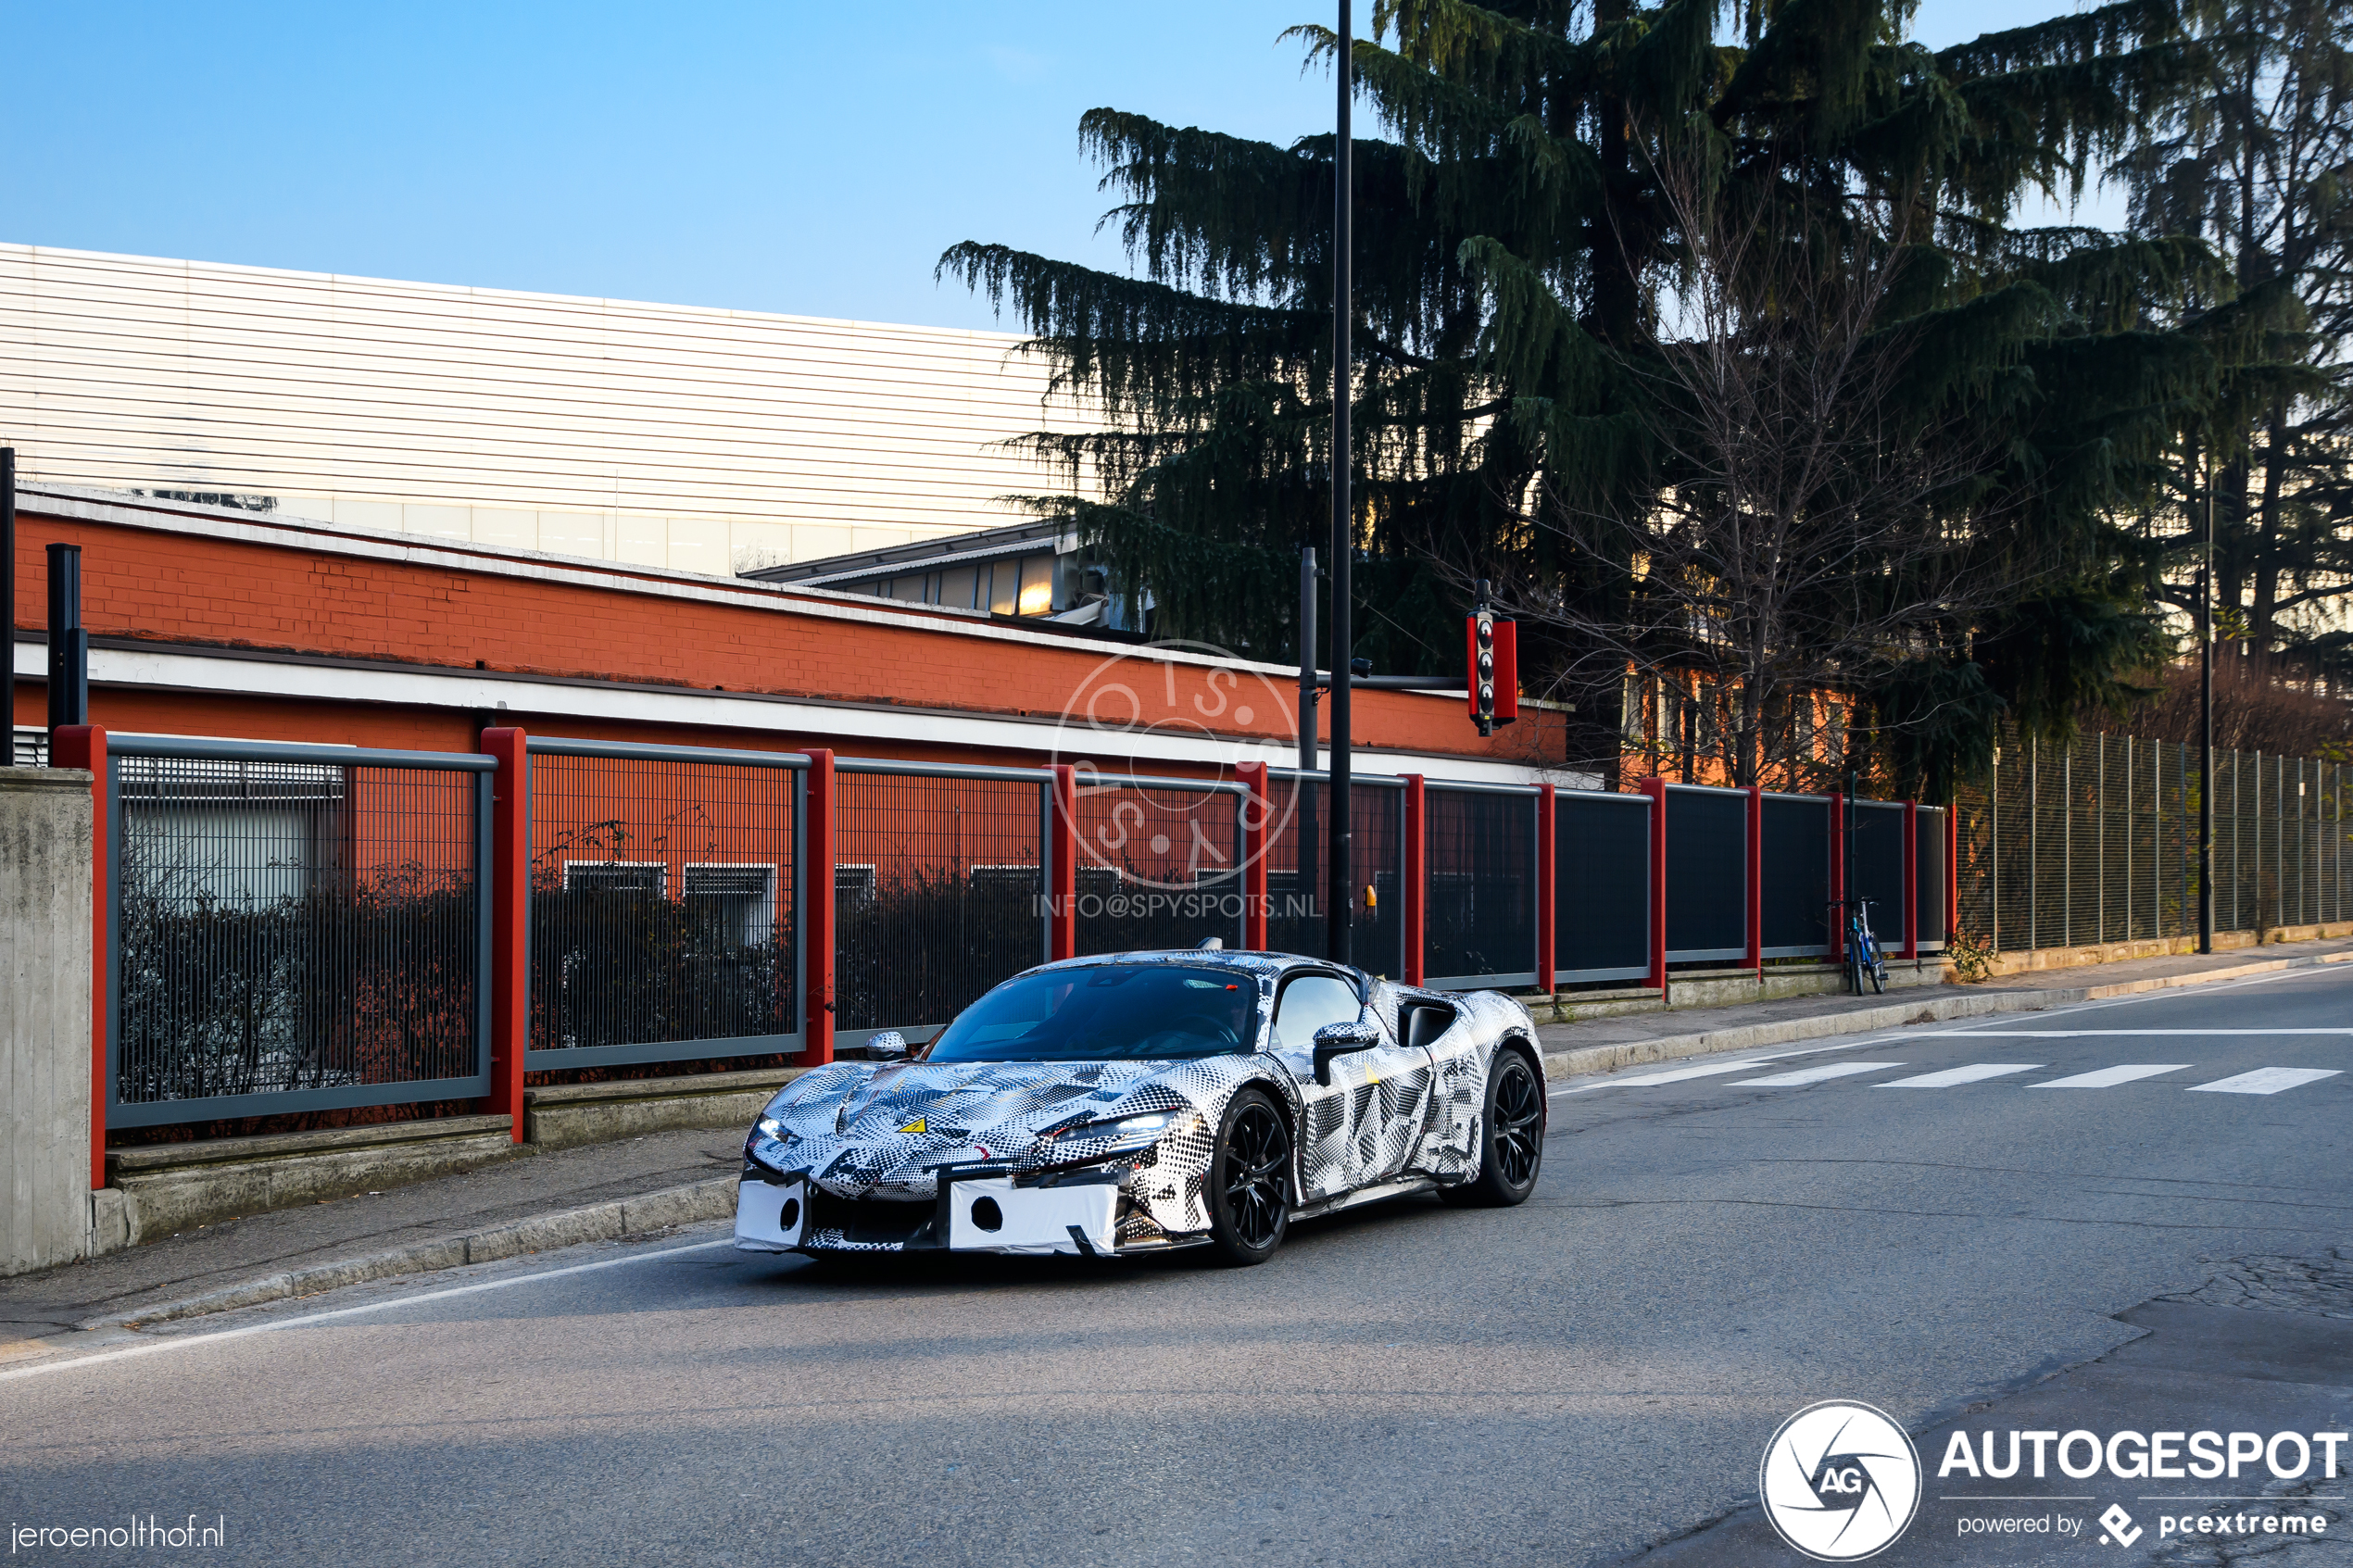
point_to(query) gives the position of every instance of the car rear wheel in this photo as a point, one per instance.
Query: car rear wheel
(1249, 1181)
(1511, 1137)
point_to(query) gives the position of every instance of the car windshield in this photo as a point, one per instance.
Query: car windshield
(1118, 1013)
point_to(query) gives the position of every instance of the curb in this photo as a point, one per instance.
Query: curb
(618, 1217)
(1579, 1061)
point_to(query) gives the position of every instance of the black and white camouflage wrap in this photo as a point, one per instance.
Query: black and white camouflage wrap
(1392, 1118)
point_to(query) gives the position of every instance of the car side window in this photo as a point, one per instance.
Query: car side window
(1309, 1002)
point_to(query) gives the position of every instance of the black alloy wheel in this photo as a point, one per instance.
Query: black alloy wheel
(1510, 1141)
(1249, 1181)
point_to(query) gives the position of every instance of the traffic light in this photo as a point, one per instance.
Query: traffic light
(1494, 667)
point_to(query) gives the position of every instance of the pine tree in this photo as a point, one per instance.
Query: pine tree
(1518, 255)
(2257, 161)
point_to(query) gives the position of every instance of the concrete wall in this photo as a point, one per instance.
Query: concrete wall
(44, 1017)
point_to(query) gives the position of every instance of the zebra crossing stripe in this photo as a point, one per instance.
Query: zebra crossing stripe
(1813, 1074)
(2265, 1080)
(2109, 1077)
(1976, 1071)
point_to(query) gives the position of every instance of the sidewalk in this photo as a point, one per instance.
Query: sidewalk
(516, 1205)
(664, 1179)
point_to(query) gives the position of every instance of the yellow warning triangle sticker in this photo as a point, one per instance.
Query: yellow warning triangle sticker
(915, 1127)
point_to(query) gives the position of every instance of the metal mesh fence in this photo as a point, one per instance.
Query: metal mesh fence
(1480, 859)
(1706, 874)
(938, 892)
(1159, 865)
(2095, 842)
(1795, 901)
(292, 935)
(662, 903)
(1927, 904)
(1298, 807)
(1602, 878)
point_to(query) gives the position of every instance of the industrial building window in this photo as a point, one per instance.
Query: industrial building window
(853, 886)
(650, 878)
(739, 900)
(1036, 586)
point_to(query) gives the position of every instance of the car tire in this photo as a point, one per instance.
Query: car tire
(1511, 1137)
(1249, 1181)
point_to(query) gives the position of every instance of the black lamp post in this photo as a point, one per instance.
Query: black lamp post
(2206, 727)
(1339, 901)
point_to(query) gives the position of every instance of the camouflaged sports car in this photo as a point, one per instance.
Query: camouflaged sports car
(1144, 1101)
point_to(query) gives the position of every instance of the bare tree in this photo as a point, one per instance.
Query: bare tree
(1812, 525)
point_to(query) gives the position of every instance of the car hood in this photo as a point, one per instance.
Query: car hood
(867, 1131)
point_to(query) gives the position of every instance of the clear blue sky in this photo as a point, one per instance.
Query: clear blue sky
(806, 158)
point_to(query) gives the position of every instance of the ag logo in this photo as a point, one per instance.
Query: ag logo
(1840, 1480)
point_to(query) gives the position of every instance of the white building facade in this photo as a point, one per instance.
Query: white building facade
(699, 440)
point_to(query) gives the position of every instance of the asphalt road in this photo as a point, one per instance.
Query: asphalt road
(1579, 1380)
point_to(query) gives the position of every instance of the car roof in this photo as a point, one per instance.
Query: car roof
(1268, 965)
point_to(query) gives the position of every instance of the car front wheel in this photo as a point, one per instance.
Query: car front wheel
(1249, 1181)
(1511, 1137)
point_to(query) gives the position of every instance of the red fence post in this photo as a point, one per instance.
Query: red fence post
(1417, 888)
(84, 746)
(1062, 905)
(1837, 918)
(817, 907)
(1656, 789)
(1755, 877)
(1952, 871)
(508, 878)
(1912, 880)
(1547, 893)
(1255, 806)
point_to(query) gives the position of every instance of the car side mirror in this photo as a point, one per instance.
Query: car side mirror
(1339, 1039)
(889, 1046)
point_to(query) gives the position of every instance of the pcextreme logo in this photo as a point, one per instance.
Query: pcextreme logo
(1841, 1481)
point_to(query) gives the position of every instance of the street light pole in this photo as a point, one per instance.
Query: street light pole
(2206, 727)
(1339, 901)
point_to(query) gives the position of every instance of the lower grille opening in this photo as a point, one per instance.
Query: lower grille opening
(871, 1222)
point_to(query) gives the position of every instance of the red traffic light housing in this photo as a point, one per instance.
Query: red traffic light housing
(1494, 667)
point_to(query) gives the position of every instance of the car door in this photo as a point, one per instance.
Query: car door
(1365, 1124)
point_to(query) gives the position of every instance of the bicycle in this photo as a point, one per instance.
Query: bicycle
(1863, 954)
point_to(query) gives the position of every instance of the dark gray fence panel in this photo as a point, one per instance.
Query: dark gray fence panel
(1875, 870)
(295, 928)
(664, 902)
(1160, 864)
(1298, 806)
(1479, 925)
(1706, 874)
(1796, 895)
(1929, 907)
(939, 891)
(1600, 887)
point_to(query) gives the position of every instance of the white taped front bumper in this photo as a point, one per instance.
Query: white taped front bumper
(769, 1218)
(992, 1215)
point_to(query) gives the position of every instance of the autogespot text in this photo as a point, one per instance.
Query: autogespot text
(2157, 1456)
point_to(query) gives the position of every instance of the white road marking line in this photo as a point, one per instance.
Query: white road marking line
(2109, 1077)
(1813, 1074)
(185, 1341)
(2264, 1081)
(1676, 1076)
(2083, 1034)
(1975, 1073)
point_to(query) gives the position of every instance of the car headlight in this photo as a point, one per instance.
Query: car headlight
(1149, 1127)
(768, 1141)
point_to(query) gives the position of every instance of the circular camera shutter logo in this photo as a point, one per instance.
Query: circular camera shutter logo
(1840, 1480)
